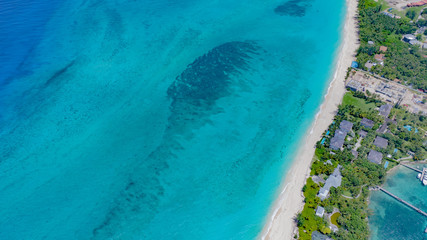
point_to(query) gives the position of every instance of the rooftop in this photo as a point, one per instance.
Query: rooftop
(318, 236)
(355, 153)
(346, 126)
(363, 133)
(375, 157)
(383, 128)
(415, 42)
(334, 180)
(383, 49)
(338, 140)
(409, 37)
(379, 57)
(385, 110)
(354, 85)
(369, 64)
(367, 123)
(381, 142)
(320, 211)
(417, 4)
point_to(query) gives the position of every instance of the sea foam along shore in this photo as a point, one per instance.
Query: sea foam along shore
(280, 223)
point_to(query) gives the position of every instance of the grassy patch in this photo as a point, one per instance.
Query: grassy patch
(349, 99)
(334, 218)
(346, 193)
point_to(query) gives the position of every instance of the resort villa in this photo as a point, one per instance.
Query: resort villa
(320, 211)
(381, 142)
(385, 110)
(334, 180)
(375, 157)
(346, 126)
(338, 140)
(367, 123)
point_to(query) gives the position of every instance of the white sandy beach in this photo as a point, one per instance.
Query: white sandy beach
(281, 223)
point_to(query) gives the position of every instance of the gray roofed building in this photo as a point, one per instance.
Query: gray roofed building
(320, 211)
(367, 123)
(334, 180)
(346, 126)
(408, 37)
(363, 133)
(375, 157)
(369, 65)
(355, 153)
(338, 140)
(381, 142)
(382, 129)
(370, 42)
(385, 110)
(415, 42)
(328, 162)
(388, 120)
(425, 45)
(319, 236)
(318, 179)
(354, 85)
(323, 193)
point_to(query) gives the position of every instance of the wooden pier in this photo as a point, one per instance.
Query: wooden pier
(403, 201)
(417, 170)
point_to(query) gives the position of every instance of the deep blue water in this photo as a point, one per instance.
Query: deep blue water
(22, 25)
(155, 119)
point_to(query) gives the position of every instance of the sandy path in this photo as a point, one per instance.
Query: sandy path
(290, 201)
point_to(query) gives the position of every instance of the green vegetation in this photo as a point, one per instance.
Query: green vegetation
(402, 60)
(349, 99)
(358, 174)
(411, 14)
(307, 220)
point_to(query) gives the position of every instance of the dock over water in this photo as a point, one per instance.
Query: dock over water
(417, 170)
(403, 201)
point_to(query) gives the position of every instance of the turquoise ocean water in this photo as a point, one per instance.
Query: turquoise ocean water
(155, 119)
(391, 219)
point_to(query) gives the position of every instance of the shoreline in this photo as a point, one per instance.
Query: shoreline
(280, 222)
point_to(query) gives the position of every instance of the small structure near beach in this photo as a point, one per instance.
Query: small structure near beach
(367, 123)
(381, 142)
(320, 211)
(334, 180)
(375, 157)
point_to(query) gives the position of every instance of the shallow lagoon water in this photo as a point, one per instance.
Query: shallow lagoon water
(391, 219)
(159, 119)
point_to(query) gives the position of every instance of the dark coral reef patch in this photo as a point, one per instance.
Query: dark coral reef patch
(295, 8)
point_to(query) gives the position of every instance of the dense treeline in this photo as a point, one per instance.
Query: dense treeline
(402, 60)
